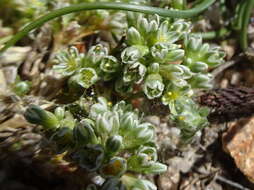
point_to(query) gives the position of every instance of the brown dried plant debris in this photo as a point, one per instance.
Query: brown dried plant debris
(228, 104)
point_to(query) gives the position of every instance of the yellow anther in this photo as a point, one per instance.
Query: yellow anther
(162, 38)
(149, 158)
(181, 118)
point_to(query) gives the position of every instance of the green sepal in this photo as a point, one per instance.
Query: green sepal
(107, 124)
(83, 133)
(134, 37)
(201, 81)
(114, 144)
(90, 157)
(137, 135)
(99, 108)
(166, 53)
(34, 114)
(63, 138)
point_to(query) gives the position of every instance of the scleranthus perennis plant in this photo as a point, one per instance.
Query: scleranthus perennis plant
(162, 59)
(111, 141)
(158, 59)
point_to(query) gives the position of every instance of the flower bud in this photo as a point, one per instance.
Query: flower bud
(107, 123)
(59, 113)
(153, 26)
(114, 143)
(96, 53)
(181, 26)
(34, 114)
(132, 54)
(197, 52)
(134, 73)
(201, 81)
(153, 86)
(128, 121)
(144, 133)
(122, 108)
(142, 25)
(98, 108)
(63, 138)
(21, 88)
(109, 64)
(177, 74)
(90, 157)
(115, 168)
(154, 68)
(164, 53)
(138, 134)
(83, 133)
(216, 57)
(145, 161)
(198, 66)
(193, 43)
(134, 37)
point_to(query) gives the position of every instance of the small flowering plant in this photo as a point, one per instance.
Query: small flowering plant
(145, 57)
(112, 141)
(161, 58)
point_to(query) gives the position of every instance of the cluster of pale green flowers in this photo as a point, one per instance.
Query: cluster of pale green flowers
(86, 69)
(161, 58)
(111, 141)
(169, 62)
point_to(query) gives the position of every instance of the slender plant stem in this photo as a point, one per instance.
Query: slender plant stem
(221, 33)
(112, 6)
(240, 13)
(245, 22)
